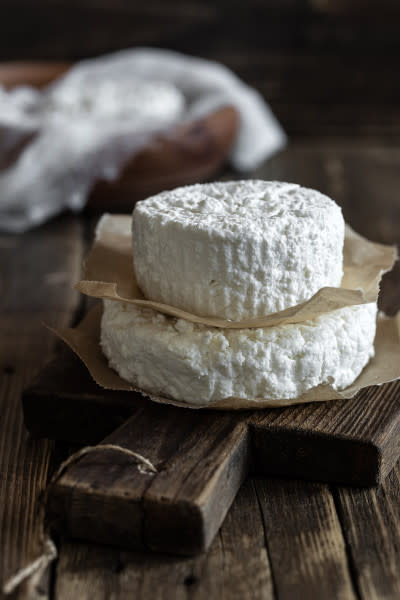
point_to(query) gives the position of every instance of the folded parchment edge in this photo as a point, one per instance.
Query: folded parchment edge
(115, 248)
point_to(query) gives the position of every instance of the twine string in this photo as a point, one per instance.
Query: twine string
(49, 553)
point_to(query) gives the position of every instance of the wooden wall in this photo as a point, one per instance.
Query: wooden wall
(328, 67)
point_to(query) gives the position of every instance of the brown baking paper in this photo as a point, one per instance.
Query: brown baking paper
(384, 367)
(108, 273)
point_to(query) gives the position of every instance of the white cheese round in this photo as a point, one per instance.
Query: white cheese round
(237, 249)
(196, 364)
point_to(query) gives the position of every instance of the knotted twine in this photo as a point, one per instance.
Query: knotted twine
(35, 569)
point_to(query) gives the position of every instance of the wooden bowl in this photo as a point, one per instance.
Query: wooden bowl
(189, 153)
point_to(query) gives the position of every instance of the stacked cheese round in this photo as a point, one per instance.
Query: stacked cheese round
(238, 249)
(196, 364)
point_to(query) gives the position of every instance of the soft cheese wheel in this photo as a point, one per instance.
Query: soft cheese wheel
(237, 249)
(197, 364)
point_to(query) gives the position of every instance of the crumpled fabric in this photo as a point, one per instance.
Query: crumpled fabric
(60, 154)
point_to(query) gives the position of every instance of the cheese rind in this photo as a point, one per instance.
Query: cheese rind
(196, 364)
(237, 250)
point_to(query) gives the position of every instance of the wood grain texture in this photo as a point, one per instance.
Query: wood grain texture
(304, 540)
(82, 418)
(235, 568)
(37, 273)
(105, 498)
(202, 457)
(304, 554)
(355, 441)
(371, 524)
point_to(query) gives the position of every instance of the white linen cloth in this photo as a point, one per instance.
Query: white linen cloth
(67, 150)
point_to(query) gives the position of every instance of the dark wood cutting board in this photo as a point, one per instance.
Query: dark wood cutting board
(201, 456)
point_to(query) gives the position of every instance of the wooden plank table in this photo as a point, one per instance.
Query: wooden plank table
(281, 539)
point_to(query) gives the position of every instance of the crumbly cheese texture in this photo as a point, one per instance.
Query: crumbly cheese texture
(239, 249)
(196, 364)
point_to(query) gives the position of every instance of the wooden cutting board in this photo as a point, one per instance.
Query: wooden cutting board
(201, 456)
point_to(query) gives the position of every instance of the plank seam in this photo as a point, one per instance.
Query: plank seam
(273, 579)
(350, 563)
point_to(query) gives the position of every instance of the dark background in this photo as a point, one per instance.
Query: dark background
(328, 67)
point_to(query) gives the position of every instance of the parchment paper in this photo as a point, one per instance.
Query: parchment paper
(384, 367)
(108, 273)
